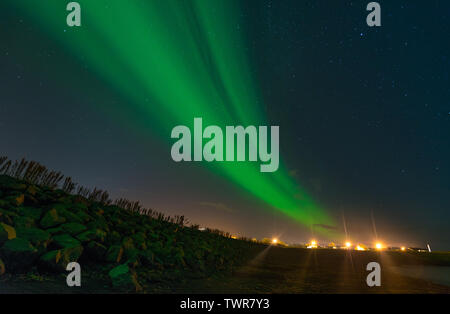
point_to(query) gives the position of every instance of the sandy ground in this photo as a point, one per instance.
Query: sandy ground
(277, 270)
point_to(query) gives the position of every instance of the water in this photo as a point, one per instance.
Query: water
(436, 274)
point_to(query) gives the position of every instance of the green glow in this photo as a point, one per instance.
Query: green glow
(178, 60)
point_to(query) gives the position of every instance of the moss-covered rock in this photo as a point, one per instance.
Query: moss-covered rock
(73, 228)
(114, 254)
(133, 257)
(56, 230)
(15, 200)
(147, 258)
(24, 222)
(8, 231)
(35, 235)
(88, 235)
(32, 190)
(57, 260)
(32, 212)
(124, 278)
(99, 223)
(7, 216)
(50, 260)
(51, 219)
(92, 235)
(18, 254)
(113, 237)
(65, 241)
(96, 251)
(139, 240)
(70, 216)
(85, 218)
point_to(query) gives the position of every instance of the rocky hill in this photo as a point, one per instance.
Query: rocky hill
(43, 228)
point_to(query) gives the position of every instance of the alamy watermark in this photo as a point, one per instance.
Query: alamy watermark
(239, 142)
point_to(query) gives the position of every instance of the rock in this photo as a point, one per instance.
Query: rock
(96, 250)
(92, 234)
(65, 241)
(19, 200)
(139, 241)
(2, 268)
(127, 244)
(49, 261)
(6, 233)
(31, 212)
(147, 258)
(15, 200)
(71, 254)
(69, 216)
(56, 230)
(18, 254)
(73, 228)
(7, 216)
(114, 254)
(31, 200)
(98, 223)
(132, 257)
(32, 190)
(24, 222)
(57, 260)
(51, 219)
(86, 236)
(124, 279)
(79, 204)
(101, 235)
(34, 235)
(113, 237)
(83, 216)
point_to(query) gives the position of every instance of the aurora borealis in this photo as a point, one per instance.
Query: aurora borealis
(168, 62)
(187, 60)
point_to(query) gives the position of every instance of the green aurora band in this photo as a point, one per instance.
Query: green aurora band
(178, 60)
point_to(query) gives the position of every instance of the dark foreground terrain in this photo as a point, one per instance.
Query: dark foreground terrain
(284, 270)
(279, 270)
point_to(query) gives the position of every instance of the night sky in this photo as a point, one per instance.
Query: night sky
(364, 113)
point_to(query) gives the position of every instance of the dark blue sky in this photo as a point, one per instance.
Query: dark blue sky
(364, 115)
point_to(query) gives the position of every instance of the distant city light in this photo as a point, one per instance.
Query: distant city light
(348, 244)
(403, 248)
(313, 245)
(275, 241)
(360, 248)
(378, 246)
